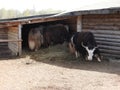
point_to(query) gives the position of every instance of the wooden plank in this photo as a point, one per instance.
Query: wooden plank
(46, 20)
(107, 36)
(20, 37)
(107, 39)
(110, 55)
(108, 43)
(1, 40)
(108, 47)
(110, 32)
(116, 52)
(13, 47)
(12, 36)
(79, 24)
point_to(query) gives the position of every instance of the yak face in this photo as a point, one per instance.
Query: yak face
(89, 51)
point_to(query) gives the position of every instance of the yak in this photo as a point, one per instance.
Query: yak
(83, 43)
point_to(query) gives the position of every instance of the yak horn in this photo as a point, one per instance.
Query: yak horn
(95, 47)
(83, 45)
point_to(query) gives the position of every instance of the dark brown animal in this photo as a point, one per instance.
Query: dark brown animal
(56, 34)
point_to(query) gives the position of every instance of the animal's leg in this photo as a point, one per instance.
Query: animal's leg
(98, 58)
(76, 54)
(71, 48)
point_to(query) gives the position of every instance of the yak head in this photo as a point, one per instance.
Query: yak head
(90, 49)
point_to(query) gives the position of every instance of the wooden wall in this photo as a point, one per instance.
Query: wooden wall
(106, 29)
(72, 22)
(13, 36)
(3, 36)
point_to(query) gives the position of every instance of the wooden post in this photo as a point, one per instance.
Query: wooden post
(19, 38)
(79, 23)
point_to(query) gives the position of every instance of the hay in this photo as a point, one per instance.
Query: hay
(53, 53)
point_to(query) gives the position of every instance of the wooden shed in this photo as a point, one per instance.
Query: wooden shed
(14, 32)
(104, 23)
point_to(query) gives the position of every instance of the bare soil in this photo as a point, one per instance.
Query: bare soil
(55, 68)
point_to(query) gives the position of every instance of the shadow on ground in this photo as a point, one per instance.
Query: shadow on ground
(59, 55)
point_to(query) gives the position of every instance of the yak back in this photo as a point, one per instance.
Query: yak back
(56, 33)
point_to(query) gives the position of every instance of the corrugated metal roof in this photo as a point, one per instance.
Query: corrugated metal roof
(106, 7)
(27, 17)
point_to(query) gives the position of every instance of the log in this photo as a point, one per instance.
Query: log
(110, 55)
(110, 32)
(10, 40)
(108, 43)
(110, 51)
(107, 39)
(107, 36)
(108, 47)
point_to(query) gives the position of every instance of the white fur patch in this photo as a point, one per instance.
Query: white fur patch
(31, 45)
(72, 40)
(90, 53)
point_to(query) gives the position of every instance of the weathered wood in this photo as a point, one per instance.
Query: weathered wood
(45, 20)
(79, 24)
(108, 43)
(3, 35)
(110, 55)
(101, 22)
(13, 39)
(110, 51)
(107, 36)
(107, 39)
(20, 37)
(108, 47)
(110, 32)
(10, 40)
(106, 29)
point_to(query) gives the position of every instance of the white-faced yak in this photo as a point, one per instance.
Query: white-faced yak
(83, 43)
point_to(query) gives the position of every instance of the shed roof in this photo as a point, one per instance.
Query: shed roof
(106, 7)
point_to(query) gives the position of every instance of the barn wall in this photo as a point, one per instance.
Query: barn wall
(72, 22)
(13, 35)
(3, 36)
(4, 51)
(106, 29)
(79, 23)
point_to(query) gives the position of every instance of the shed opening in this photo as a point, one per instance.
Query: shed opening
(26, 28)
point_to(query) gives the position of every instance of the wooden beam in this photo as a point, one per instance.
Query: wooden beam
(20, 38)
(110, 55)
(79, 24)
(107, 39)
(110, 32)
(30, 21)
(108, 43)
(110, 51)
(1, 40)
(109, 47)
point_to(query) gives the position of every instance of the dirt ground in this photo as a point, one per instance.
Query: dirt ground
(55, 68)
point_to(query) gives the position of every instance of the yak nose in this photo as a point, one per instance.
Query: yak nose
(89, 58)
